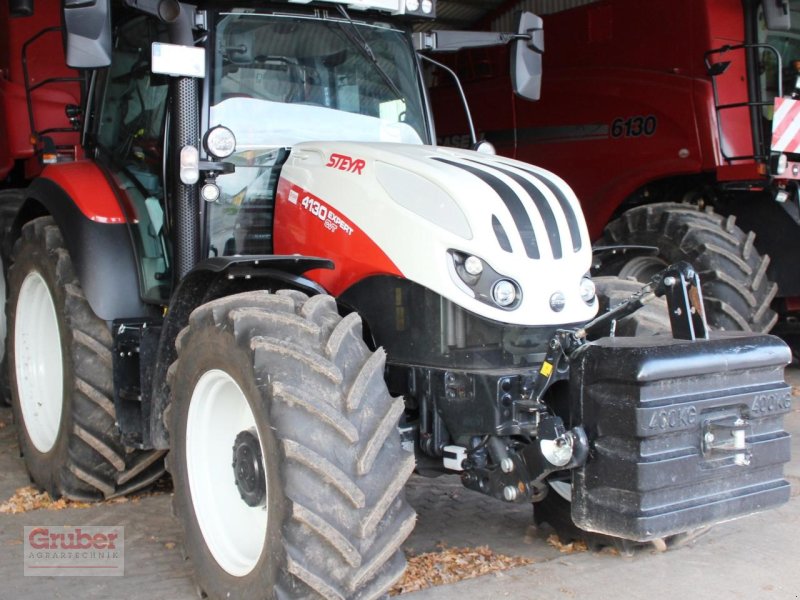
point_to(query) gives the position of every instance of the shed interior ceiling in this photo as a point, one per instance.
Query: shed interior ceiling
(497, 15)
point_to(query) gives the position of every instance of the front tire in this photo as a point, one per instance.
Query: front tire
(61, 378)
(736, 290)
(322, 514)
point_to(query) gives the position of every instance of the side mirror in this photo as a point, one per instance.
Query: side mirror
(777, 15)
(526, 57)
(87, 24)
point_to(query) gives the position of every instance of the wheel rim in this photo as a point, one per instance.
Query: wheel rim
(38, 363)
(234, 532)
(642, 268)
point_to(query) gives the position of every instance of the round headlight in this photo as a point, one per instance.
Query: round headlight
(412, 5)
(588, 291)
(473, 265)
(219, 142)
(557, 302)
(209, 192)
(504, 293)
(427, 6)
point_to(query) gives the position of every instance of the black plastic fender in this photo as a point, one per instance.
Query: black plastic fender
(102, 253)
(210, 279)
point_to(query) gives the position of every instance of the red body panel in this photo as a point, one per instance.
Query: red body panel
(85, 183)
(625, 100)
(45, 60)
(317, 229)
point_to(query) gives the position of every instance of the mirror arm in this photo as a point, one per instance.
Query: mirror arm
(452, 73)
(451, 41)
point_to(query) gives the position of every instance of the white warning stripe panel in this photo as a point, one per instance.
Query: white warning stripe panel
(786, 125)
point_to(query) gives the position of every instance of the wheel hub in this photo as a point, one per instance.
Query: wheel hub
(248, 468)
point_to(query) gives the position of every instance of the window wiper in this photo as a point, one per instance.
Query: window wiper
(355, 37)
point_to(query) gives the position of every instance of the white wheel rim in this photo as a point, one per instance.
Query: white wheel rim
(38, 363)
(234, 532)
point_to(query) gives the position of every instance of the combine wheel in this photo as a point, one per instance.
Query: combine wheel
(736, 289)
(288, 467)
(61, 380)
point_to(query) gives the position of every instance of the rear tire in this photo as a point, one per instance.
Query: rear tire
(736, 290)
(59, 355)
(332, 515)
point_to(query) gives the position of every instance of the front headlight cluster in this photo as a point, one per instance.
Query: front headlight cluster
(484, 283)
(478, 279)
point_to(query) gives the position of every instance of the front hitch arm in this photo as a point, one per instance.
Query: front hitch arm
(678, 283)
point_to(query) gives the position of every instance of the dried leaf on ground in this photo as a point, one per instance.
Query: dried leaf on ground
(29, 498)
(571, 548)
(450, 565)
(795, 390)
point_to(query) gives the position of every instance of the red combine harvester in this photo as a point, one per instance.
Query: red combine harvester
(675, 122)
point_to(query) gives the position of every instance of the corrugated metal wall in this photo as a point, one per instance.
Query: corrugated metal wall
(539, 7)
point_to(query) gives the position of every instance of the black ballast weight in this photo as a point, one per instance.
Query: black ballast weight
(683, 433)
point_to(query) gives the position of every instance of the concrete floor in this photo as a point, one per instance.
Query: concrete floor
(755, 557)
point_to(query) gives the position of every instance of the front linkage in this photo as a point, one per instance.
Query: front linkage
(643, 413)
(524, 467)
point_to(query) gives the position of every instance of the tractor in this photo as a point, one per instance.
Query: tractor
(234, 251)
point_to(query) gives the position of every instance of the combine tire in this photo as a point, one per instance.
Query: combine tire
(61, 380)
(286, 459)
(736, 289)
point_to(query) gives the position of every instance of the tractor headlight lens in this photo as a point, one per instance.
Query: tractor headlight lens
(588, 290)
(557, 302)
(412, 5)
(473, 265)
(427, 6)
(504, 293)
(219, 142)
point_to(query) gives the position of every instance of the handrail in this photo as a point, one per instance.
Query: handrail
(715, 69)
(29, 88)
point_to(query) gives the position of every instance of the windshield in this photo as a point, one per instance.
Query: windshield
(280, 80)
(787, 45)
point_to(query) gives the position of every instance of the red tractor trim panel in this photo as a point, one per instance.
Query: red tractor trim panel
(306, 224)
(87, 185)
